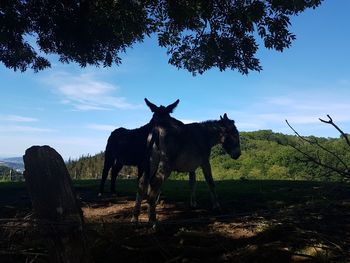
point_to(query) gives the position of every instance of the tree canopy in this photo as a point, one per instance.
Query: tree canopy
(265, 155)
(197, 34)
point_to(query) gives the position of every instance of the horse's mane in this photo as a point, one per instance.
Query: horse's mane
(209, 121)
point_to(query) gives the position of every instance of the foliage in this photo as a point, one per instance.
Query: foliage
(91, 167)
(324, 154)
(198, 35)
(8, 174)
(265, 155)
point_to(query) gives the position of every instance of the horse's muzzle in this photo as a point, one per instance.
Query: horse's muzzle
(235, 154)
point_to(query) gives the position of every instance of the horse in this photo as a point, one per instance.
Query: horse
(129, 146)
(184, 148)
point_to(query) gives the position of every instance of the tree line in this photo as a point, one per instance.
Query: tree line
(265, 155)
(9, 174)
(88, 166)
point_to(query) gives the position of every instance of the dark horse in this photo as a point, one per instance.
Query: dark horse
(184, 148)
(129, 147)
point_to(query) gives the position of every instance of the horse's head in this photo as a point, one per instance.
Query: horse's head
(161, 112)
(230, 137)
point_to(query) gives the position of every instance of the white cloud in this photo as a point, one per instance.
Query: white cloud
(21, 128)
(86, 107)
(302, 110)
(279, 101)
(186, 121)
(241, 125)
(305, 108)
(278, 117)
(84, 92)
(101, 127)
(17, 118)
(66, 147)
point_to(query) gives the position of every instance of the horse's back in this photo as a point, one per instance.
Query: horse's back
(185, 146)
(127, 146)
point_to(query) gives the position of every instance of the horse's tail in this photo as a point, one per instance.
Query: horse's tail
(153, 140)
(112, 150)
(152, 153)
(109, 152)
(109, 160)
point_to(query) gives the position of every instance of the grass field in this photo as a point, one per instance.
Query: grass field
(260, 221)
(256, 193)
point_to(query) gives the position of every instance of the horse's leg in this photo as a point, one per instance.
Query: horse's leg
(142, 186)
(156, 182)
(109, 160)
(153, 195)
(209, 179)
(115, 171)
(192, 181)
(140, 171)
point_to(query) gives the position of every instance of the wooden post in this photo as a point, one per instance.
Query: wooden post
(55, 206)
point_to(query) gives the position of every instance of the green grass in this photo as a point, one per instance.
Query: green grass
(258, 205)
(11, 185)
(254, 193)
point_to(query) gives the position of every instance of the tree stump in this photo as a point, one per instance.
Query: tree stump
(55, 205)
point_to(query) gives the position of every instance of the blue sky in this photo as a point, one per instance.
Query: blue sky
(74, 110)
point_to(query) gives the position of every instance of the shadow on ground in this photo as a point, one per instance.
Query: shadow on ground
(249, 228)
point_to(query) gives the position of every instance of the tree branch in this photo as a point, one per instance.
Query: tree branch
(315, 142)
(330, 121)
(344, 173)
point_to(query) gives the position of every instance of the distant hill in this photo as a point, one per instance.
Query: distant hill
(265, 155)
(15, 163)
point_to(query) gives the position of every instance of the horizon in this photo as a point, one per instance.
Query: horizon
(74, 109)
(4, 157)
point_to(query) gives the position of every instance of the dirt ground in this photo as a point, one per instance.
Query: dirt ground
(309, 232)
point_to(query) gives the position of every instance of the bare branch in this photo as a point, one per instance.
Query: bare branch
(315, 142)
(344, 173)
(330, 121)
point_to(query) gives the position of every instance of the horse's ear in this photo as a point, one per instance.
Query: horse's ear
(225, 118)
(172, 106)
(150, 105)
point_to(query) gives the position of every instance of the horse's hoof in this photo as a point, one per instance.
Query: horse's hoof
(217, 208)
(152, 220)
(154, 226)
(193, 205)
(134, 219)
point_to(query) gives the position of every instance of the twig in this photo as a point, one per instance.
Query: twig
(330, 121)
(318, 162)
(344, 173)
(315, 142)
(18, 252)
